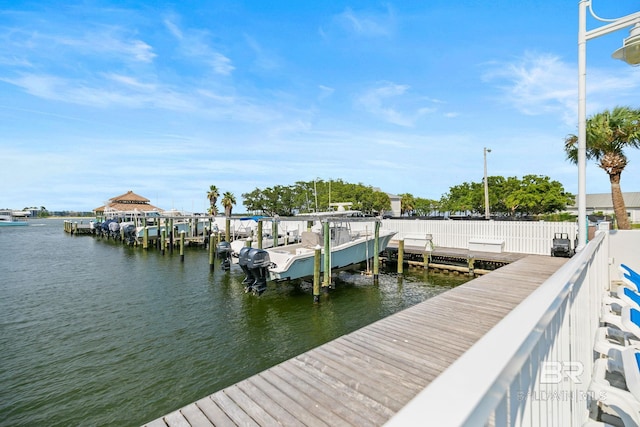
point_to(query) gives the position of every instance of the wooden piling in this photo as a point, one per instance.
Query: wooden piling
(260, 224)
(145, 234)
(316, 274)
(171, 236)
(400, 256)
(158, 242)
(227, 229)
(376, 251)
(182, 246)
(163, 243)
(327, 254)
(212, 251)
(274, 233)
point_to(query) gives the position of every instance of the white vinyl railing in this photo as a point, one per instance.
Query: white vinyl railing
(529, 237)
(534, 367)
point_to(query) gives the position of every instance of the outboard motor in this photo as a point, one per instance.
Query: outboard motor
(243, 260)
(223, 251)
(258, 265)
(129, 233)
(114, 229)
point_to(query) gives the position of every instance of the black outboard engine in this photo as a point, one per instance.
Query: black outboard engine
(243, 260)
(129, 233)
(258, 264)
(223, 251)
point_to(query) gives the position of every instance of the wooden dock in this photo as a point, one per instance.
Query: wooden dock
(367, 376)
(474, 263)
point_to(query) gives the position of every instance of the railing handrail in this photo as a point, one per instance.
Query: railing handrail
(472, 387)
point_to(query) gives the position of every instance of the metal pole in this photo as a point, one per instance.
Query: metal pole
(486, 185)
(583, 36)
(582, 125)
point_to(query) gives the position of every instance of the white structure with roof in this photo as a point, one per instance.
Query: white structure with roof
(601, 202)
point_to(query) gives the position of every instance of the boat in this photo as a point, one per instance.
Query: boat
(179, 226)
(285, 238)
(13, 218)
(347, 248)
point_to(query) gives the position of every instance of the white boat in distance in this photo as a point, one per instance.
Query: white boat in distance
(13, 218)
(346, 248)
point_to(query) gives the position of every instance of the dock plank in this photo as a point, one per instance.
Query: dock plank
(248, 405)
(195, 417)
(365, 377)
(260, 398)
(305, 401)
(331, 393)
(213, 412)
(235, 412)
(176, 419)
(280, 398)
(371, 386)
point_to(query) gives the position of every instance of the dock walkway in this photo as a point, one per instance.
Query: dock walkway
(367, 376)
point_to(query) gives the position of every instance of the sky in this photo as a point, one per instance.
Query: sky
(168, 98)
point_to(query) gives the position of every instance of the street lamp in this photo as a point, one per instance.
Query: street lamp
(630, 53)
(486, 185)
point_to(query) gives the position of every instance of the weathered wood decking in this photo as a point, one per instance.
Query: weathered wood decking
(367, 376)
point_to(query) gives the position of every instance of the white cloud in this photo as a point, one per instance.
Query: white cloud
(379, 101)
(325, 91)
(367, 23)
(131, 82)
(173, 29)
(264, 59)
(195, 44)
(536, 84)
(544, 84)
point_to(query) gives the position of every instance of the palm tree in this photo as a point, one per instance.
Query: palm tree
(228, 200)
(608, 134)
(407, 203)
(212, 195)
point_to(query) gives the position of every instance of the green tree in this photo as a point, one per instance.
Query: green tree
(228, 201)
(426, 207)
(609, 133)
(531, 195)
(537, 195)
(407, 203)
(213, 195)
(466, 197)
(302, 196)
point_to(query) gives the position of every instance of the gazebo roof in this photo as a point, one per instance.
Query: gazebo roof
(129, 196)
(128, 202)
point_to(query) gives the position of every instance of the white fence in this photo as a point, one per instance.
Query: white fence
(529, 237)
(519, 236)
(504, 380)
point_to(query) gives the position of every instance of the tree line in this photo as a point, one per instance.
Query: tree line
(315, 196)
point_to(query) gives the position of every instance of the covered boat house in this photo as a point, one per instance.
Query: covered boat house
(127, 205)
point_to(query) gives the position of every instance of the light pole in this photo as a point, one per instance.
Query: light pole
(486, 185)
(630, 53)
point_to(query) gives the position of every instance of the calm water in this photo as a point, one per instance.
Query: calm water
(96, 333)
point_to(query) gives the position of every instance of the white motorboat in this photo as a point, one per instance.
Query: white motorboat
(13, 218)
(346, 248)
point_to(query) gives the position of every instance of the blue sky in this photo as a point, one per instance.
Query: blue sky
(168, 98)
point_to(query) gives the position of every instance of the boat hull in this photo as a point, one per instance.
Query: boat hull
(297, 262)
(13, 223)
